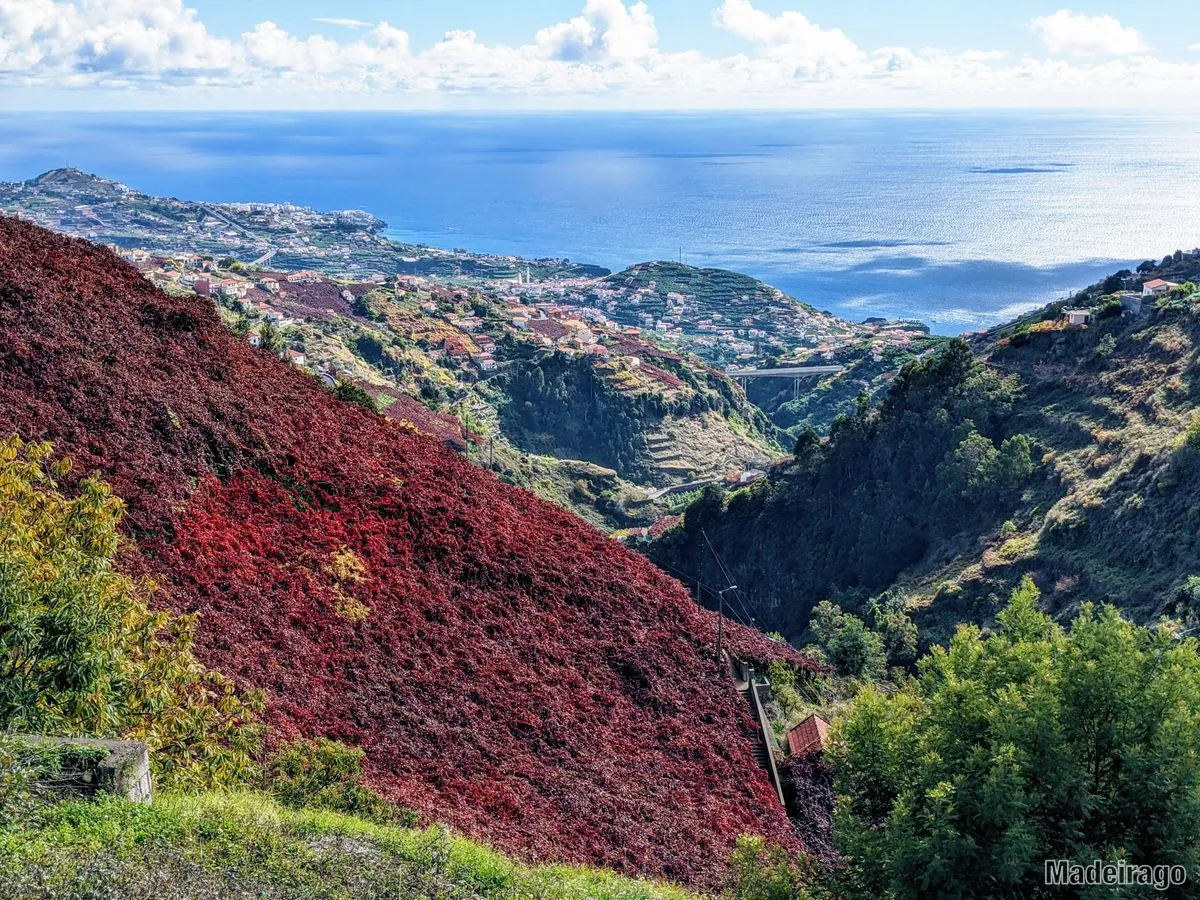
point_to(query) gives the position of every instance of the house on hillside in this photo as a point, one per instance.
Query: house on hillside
(454, 349)
(1157, 287)
(1077, 316)
(809, 736)
(296, 358)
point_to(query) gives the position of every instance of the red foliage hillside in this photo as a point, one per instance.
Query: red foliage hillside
(516, 674)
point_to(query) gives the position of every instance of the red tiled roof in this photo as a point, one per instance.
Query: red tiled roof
(809, 735)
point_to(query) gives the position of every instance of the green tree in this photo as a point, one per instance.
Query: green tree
(269, 338)
(350, 392)
(807, 443)
(890, 618)
(81, 650)
(850, 647)
(1034, 743)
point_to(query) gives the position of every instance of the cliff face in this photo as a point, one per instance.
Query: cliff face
(508, 669)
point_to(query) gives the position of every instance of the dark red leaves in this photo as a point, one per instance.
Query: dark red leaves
(516, 673)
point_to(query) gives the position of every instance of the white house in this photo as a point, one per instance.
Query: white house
(1157, 287)
(1078, 316)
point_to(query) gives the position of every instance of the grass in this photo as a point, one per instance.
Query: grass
(247, 845)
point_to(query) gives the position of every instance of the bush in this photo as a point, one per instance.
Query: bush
(1031, 744)
(324, 774)
(851, 648)
(349, 392)
(767, 872)
(81, 651)
(269, 338)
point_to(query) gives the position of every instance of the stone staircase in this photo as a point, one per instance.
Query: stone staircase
(762, 750)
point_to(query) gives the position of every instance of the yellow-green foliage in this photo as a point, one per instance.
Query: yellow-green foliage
(325, 774)
(347, 569)
(82, 652)
(243, 844)
(765, 872)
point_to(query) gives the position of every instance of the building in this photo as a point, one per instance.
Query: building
(809, 736)
(1157, 287)
(1131, 302)
(1077, 316)
(296, 358)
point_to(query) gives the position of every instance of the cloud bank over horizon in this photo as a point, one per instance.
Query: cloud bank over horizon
(161, 52)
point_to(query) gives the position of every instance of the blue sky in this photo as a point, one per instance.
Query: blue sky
(578, 54)
(1169, 25)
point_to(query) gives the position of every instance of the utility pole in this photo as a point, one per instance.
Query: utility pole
(721, 622)
(720, 628)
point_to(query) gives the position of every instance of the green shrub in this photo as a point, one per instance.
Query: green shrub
(851, 648)
(768, 872)
(324, 774)
(81, 650)
(350, 392)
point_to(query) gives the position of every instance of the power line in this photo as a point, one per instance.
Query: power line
(713, 592)
(728, 577)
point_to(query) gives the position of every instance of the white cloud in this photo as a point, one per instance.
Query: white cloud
(1083, 35)
(790, 37)
(343, 23)
(608, 55)
(1194, 47)
(606, 31)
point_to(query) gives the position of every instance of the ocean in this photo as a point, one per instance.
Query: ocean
(959, 220)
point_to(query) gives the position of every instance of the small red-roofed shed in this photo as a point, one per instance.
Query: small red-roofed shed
(809, 735)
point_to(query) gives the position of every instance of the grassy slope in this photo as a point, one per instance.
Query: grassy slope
(1112, 515)
(246, 845)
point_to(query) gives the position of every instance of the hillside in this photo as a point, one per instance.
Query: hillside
(729, 318)
(1067, 452)
(869, 369)
(566, 405)
(508, 669)
(293, 237)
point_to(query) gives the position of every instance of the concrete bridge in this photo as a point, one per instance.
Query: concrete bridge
(796, 373)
